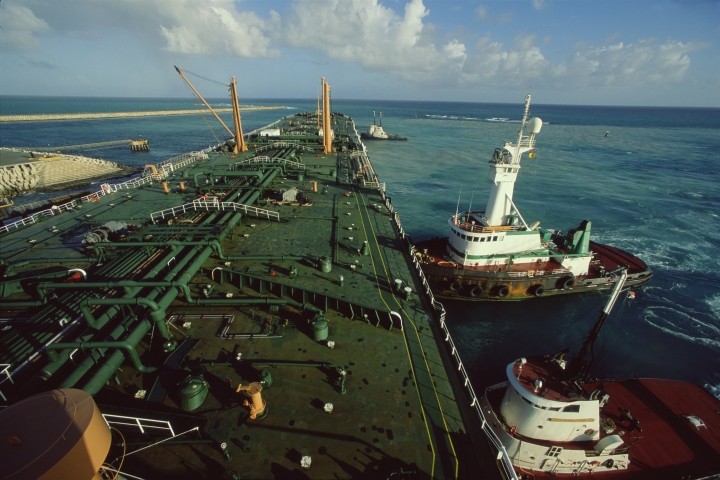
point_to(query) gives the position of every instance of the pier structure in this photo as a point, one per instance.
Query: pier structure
(139, 145)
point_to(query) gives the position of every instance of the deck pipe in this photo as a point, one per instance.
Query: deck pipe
(80, 371)
(119, 344)
(111, 364)
(157, 315)
(59, 359)
(210, 175)
(133, 339)
(158, 309)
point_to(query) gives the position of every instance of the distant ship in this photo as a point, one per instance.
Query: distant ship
(377, 132)
(554, 420)
(495, 255)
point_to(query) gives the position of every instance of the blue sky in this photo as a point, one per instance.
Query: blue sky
(602, 52)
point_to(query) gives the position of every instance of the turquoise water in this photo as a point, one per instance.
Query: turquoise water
(647, 178)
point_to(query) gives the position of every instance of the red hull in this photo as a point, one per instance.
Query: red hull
(662, 442)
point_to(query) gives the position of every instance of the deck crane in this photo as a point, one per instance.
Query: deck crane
(240, 145)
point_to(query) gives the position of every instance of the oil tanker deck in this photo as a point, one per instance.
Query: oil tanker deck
(235, 315)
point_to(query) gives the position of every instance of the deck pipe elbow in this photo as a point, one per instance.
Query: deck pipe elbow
(117, 344)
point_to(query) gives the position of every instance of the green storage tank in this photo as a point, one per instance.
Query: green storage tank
(193, 391)
(320, 329)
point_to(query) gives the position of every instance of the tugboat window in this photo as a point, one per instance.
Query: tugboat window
(571, 408)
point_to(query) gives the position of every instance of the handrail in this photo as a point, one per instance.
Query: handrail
(214, 204)
(504, 457)
(165, 167)
(141, 423)
(264, 159)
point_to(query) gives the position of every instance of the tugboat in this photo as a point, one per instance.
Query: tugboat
(494, 255)
(377, 132)
(553, 420)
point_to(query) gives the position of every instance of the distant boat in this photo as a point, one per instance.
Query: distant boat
(554, 420)
(494, 255)
(376, 132)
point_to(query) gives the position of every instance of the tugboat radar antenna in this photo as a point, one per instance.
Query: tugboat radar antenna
(526, 112)
(457, 207)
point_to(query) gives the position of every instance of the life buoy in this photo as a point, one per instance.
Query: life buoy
(455, 286)
(608, 463)
(502, 291)
(477, 291)
(566, 282)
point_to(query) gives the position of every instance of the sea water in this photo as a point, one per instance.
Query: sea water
(647, 178)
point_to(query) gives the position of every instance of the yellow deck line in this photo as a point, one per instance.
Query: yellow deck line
(399, 305)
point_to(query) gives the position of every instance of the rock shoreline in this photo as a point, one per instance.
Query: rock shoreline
(50, 172)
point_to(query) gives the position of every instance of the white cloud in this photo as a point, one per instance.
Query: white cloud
(214, 28)
(401, 44)
(644, 62)
(19, 27)
(211, 27)
(491, 64)
(375, 37)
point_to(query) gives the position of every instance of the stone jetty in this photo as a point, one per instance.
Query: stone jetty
(45, 117)
(48, 172)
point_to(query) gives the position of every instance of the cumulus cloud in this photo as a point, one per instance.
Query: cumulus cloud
(492, 64)
(211, 27)
(214, 28)
(645, 62)
(400, 43)
(621, 64)
(375, 37)
(20, 27)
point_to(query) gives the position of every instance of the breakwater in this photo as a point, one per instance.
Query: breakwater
(45, 117)
(53, 172)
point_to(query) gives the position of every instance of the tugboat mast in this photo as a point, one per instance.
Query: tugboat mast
(504, 168)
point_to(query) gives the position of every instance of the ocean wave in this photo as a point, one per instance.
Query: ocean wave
(449, 117)
(691, 253)
(702, 333)
(713, 389)
(435, 116)
(713, 303)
